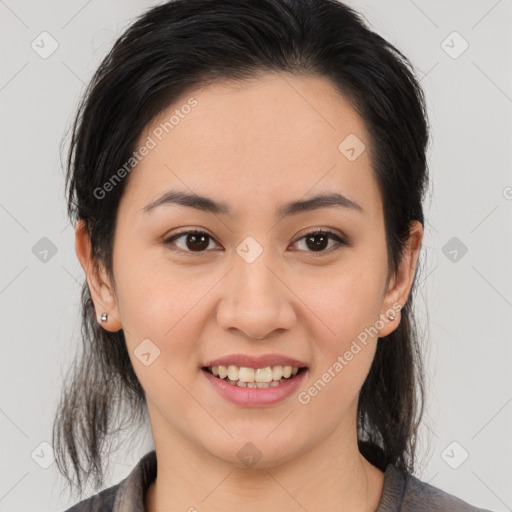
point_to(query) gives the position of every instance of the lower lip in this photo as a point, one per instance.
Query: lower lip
(253, 397)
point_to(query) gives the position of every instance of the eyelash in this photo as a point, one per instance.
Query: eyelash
(332, 236)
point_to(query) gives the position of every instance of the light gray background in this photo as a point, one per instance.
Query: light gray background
(468, 301)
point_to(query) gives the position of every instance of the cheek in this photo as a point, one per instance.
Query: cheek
(159, 303)
(348, 300)
(162, 321)
(345, 346)
(347, 305)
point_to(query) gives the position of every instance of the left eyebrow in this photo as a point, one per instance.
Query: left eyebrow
(325, 200)
(206, 204)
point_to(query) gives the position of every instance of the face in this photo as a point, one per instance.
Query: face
(302, 286)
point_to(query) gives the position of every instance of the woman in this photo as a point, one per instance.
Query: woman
(247, 179)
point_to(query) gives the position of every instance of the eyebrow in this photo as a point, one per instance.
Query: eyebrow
(206, 204)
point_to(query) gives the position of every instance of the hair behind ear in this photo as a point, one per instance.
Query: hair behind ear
(92, 410)
(392, 397)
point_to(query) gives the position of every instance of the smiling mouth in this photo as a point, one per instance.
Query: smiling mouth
(267, 377)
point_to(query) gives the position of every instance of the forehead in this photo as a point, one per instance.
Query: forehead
(273, 137)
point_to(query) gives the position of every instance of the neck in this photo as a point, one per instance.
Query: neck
(333, 476)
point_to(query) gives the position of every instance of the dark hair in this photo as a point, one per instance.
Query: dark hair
(186, 44)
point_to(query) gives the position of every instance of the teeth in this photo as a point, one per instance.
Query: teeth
(269, 376)
(263, 375)
(277, 372)
(232, 372)
(287, 371)
(246, 374)
(223, 372)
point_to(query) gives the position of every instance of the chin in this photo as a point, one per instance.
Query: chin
(261, 451)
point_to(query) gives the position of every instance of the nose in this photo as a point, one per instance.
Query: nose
(256, 300)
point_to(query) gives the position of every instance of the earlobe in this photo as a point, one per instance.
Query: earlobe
(102, 293)
(401, 283)
(389, 319)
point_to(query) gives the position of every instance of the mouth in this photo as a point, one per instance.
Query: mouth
(245, 377)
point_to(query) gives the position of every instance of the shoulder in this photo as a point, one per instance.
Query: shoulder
(421, 496)
(405, 493)
(127, 495)
(101, 502)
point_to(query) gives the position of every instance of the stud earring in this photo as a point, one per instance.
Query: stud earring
(104, 317)
(391, 316)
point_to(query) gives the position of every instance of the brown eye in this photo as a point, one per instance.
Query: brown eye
(194, 241)
(197, 242)
(318, 241)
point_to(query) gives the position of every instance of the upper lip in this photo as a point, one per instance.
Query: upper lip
(262, 361)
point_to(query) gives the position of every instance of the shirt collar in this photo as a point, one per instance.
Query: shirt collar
(132, 490)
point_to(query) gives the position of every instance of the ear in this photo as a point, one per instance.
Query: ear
(102, 292)
(400, 284)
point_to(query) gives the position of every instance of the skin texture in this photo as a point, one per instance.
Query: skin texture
(254, 145)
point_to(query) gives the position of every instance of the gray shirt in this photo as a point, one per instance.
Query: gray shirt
(402, 493)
